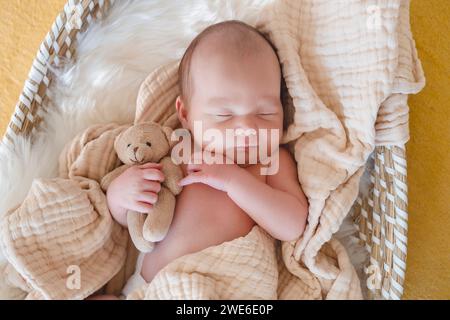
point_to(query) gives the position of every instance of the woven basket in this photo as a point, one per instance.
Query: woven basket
(381, 216)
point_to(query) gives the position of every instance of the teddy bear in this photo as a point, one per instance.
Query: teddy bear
(141, 143)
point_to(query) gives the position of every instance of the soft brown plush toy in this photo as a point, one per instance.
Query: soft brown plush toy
(141, 143)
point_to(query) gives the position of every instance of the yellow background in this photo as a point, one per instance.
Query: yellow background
(25, 23)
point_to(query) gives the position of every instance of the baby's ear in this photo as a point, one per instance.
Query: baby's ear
(181, 111)
(168, 133)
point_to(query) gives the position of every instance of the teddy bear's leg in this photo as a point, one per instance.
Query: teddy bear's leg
(159, 219)
(172, 174)
(135, 221)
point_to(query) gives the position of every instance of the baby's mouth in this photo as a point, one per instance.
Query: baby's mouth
(246, 146)
(246, 142)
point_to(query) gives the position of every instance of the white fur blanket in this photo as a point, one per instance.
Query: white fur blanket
(344, 62)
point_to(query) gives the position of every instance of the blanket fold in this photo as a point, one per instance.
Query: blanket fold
(243, 268)
(62, 239)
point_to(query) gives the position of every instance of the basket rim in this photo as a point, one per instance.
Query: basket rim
(59, 42)
(388, 176)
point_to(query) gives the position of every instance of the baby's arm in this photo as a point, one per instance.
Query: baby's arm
(280, 206)
(134, 189)
(118, 213)
(172, 174)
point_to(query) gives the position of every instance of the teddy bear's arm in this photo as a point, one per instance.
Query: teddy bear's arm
(107, 179)
(172, 174)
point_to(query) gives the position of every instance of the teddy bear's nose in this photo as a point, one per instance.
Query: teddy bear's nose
(135, 149)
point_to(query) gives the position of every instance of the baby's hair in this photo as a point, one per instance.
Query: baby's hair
(239, 34)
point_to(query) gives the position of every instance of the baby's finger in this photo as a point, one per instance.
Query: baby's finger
(153, 174)
(150, 165)
(142, 207)
(194, 177)
(147, 197)
(152, 186)
(193, 167)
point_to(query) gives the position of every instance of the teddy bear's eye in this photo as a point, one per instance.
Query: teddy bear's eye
(128, 145)
(149, 144)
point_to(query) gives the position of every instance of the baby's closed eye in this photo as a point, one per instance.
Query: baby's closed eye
(224, 115)
(267, 114)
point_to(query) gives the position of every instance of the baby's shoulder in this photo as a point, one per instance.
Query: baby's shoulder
(285, 153)
(285, 158)
(283, 169)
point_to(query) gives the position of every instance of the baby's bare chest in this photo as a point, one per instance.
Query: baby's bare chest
(205, 216)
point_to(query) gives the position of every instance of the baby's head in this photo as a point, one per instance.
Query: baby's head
(230, 78)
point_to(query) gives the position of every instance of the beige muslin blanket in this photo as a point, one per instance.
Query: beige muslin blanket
(348, 68)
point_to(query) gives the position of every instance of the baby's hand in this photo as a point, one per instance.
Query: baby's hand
(216, 176)
(135, 189)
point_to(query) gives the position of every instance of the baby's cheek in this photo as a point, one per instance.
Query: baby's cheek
(209, 134)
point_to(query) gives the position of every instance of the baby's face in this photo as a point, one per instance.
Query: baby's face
(235, 92)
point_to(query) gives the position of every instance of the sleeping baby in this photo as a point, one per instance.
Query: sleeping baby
(230, 79)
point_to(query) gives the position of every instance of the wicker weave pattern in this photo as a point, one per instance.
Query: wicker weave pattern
(381, 217)
(59, 42)
(382, 220)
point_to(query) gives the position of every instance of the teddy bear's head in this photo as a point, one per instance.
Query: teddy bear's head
(144, 142)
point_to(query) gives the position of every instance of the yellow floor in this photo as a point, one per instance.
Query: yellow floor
(25, 23)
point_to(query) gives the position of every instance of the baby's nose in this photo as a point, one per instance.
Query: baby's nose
(246, 123)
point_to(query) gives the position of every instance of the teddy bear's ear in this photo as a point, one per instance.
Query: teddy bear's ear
(168, 133)
(116, 142)
(120, 147)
